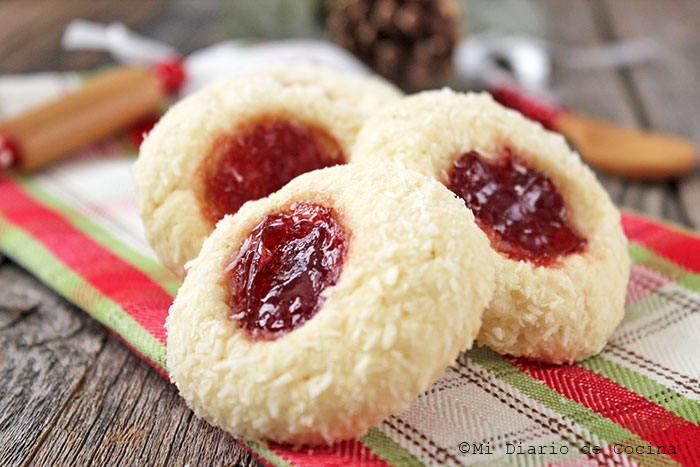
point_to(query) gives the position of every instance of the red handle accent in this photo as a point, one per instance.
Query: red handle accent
(170, 73)
(531, 107)
(9, 152)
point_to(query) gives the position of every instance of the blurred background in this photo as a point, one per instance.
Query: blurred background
(647, 79)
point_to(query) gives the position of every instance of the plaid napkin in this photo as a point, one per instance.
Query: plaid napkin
(75, 226)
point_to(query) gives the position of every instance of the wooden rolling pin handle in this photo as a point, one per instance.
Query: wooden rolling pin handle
(108, 103)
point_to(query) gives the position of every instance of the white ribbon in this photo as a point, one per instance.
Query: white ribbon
(124, 45)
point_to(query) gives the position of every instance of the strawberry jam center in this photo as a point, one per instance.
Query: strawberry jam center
(517, 206)
(282, 267)
(260, 158)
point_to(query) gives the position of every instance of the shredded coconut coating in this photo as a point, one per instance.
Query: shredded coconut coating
(167, 181)
(556, 314)
(415, 281)
(369, 93)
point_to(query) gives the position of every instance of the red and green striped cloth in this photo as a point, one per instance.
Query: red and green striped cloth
(75, 226)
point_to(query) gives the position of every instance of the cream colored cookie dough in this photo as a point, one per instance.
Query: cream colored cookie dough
(416, 277)
(559, 313)
(168, 180)
(369, 93)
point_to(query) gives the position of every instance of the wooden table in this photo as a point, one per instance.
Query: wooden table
(71, 393)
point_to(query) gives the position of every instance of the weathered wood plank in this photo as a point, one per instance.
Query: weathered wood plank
(31, 42)
(72, 393)
(46, 348)
(612, 97)
(573, 23)
(666, 89)
(689, 194)
(127, 414)
(650, 198)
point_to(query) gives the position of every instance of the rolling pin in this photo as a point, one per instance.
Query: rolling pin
(108, 103)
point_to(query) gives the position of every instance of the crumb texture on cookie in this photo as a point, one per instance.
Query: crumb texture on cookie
(368, 92)
(559, 313)
(216, 135)
(415, 279)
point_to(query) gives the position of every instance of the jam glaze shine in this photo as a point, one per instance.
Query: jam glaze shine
(259, 157)
(517, 206)
(283, 265)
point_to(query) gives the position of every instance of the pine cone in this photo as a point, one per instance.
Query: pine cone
(410, 42)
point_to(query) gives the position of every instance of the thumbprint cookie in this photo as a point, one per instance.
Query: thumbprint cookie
(235, 141)
(369, 93)
(560, 253)
(316, 312)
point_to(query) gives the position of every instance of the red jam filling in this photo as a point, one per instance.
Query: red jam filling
(260, 158)
(283, 266)
(517, 206)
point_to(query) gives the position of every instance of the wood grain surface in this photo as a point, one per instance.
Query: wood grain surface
(73, 394)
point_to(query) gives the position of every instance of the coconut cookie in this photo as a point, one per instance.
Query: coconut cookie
(369, 93)
(235, 141)
(312, 314)
(560, 253)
